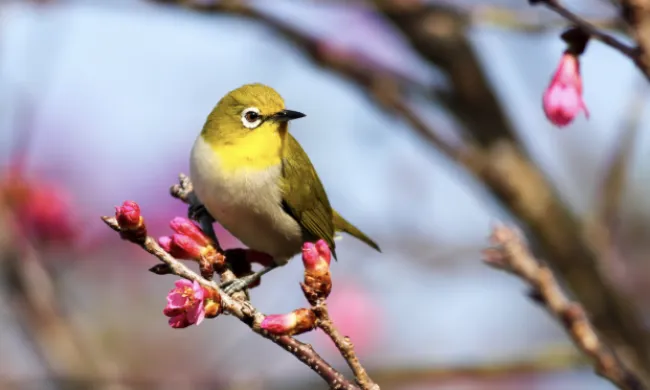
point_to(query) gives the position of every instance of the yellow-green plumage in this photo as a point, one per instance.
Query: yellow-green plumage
(256, 180)
(305, 199)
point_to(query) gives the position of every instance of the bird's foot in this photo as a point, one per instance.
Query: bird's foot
(236, 285)
(196, 211)
(232, 286)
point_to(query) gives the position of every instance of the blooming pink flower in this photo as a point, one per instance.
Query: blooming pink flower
(128, 215)
(316, 257)
(188, 228)
(185, 304)
(562, 100)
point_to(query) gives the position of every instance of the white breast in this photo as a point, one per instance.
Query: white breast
(247, 203)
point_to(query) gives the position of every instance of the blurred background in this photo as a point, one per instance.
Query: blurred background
(100, 102)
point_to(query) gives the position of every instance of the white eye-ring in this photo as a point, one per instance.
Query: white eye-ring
(251, 117)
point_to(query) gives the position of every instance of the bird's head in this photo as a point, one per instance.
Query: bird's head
(252, 113)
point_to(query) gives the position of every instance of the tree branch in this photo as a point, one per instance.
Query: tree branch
(511, 254)
(593, 31)
(344, 345)
(246, 313)
(637, 14)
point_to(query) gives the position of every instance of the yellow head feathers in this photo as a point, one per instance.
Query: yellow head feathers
(247, 127)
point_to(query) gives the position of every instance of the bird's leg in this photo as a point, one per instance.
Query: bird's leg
(232, 286)
(196, 210)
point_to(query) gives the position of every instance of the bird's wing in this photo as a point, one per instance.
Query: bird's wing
(304, 197)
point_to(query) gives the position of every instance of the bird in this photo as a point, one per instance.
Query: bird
(254, 178)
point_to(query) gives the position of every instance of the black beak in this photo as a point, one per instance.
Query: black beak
(287, 115)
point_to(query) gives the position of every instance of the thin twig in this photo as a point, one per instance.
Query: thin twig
(511, 254)
(246, 313)
(344, 345)
(589, 28)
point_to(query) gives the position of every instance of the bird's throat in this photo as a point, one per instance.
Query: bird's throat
(256, 152)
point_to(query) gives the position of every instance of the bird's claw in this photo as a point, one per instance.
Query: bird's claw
(236, 285)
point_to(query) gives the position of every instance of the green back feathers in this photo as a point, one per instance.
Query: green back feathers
(305, 199)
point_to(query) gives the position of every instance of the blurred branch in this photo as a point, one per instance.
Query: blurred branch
(604, 226)
(32, 297)
(511, 254)
(533, 23)
(241, 309)
(637, 15)
(438, 34)
(390, 377)
(497, 160)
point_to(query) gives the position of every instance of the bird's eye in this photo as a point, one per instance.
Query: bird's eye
(251, 117)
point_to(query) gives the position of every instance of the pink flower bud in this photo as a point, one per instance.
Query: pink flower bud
(128, 215)
(213, 307)
(165, 242)
(188, 228)
(318, 280)
(316, 257)
(562, 100)
(177, 246)
(185, 248)
(297, 322)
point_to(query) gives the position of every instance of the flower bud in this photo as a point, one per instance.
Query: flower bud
(185, 247)
(317, 278)
(212, 308)
(188, 228)
(297, 322)
(316, 257)
(128, 215)
(562, 100)
(131, 223)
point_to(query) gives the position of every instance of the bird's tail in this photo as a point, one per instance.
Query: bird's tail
(341, 225)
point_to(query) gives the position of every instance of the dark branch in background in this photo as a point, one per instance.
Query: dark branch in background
(33, 300)
(511, 254)
(246, 313)
(593, 31)
(637, 14)
(496, 159)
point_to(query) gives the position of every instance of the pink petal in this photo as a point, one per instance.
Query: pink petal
(172, 311)
(196, 313)
(198, 291)
(180, 321)
(175, 299)
(182, 283)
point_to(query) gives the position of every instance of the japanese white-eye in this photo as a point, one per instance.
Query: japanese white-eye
(254, 178)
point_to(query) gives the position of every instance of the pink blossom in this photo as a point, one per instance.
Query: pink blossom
(188, 228)
(185, 304)
(562, 100)
(316, 256)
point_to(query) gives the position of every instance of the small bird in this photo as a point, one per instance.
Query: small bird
(254, 178)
